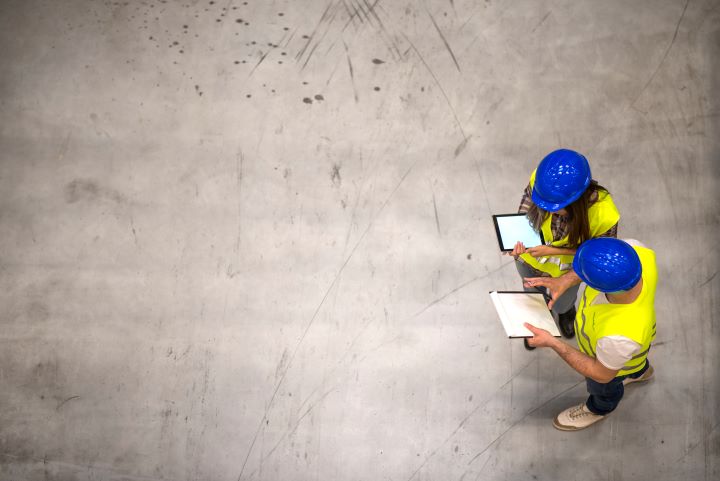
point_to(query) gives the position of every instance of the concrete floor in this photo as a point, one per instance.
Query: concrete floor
(252, 240)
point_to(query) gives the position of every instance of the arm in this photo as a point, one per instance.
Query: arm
(556, 285)
(544, 250)
(582, 363)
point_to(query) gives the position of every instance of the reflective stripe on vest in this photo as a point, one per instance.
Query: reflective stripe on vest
(635, 321)
(583, 340)
(558, 261)
(602, 215)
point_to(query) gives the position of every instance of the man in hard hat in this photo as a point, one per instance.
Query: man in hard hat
(615, 324)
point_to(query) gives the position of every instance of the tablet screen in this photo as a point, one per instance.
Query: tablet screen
(511, 228)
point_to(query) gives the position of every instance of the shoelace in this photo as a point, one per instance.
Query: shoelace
(579, 412)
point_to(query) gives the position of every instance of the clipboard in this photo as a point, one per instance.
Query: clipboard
(517, 307)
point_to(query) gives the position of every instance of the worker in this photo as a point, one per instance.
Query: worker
(564, 203)
(615, 324)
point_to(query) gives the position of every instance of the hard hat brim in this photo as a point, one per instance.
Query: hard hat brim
(556, 206)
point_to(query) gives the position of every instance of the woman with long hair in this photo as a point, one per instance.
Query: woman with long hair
(564, 203)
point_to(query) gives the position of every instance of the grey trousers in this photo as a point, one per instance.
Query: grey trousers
(563, 304)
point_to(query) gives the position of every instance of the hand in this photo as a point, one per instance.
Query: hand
(541, 338)
(541, 250)
(556, 286)
(517, 250)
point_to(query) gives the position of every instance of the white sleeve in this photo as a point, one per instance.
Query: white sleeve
(635, 243)
(614, 352)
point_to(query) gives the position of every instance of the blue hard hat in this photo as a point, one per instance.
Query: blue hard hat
(607, 264)
(560, 179)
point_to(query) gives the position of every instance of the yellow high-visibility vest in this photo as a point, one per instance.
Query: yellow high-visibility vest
(635, 321)
(602, 215)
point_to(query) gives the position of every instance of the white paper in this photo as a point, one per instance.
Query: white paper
(516, 308)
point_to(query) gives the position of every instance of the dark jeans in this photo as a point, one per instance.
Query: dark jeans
(604, 398)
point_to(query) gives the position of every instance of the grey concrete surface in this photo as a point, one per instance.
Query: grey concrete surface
(251, 240)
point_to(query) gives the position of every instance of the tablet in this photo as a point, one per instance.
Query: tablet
(511, 228)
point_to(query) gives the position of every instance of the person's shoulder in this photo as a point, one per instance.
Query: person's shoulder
(532, 177)
(601, 195)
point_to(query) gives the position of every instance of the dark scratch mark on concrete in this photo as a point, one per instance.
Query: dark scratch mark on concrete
(709, 280)
(312, 51)
(309, 56)
(312, 35)
(132, 228)
(352, 74)
(351, 14)
(89, 190)
(363, 11)
(335, 175)
(461, 146)
(317, 311)
(691, 448)
(447, 45)
(239, 161)
(293, 430)
(290, 37)
(273, 46)
(541, 22)
(86, 471)
(437, 219)
(389, 42)
(57, 408)
(439, 85)
(667, 51)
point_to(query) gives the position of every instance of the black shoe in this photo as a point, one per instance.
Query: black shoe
(566, 322)
(528, 346)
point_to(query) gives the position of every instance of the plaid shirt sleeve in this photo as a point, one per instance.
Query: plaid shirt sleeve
(611, 232)
(526, 201)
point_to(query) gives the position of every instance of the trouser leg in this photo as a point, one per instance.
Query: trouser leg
(528, 271)
(563, 304)
(604, 397)
(567, 301)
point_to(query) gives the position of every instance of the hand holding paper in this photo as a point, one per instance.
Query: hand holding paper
(541, 338)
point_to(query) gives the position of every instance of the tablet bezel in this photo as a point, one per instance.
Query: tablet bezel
(497, 230)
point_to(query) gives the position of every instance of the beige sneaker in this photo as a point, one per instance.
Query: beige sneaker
(647, 375)
(576, 418)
